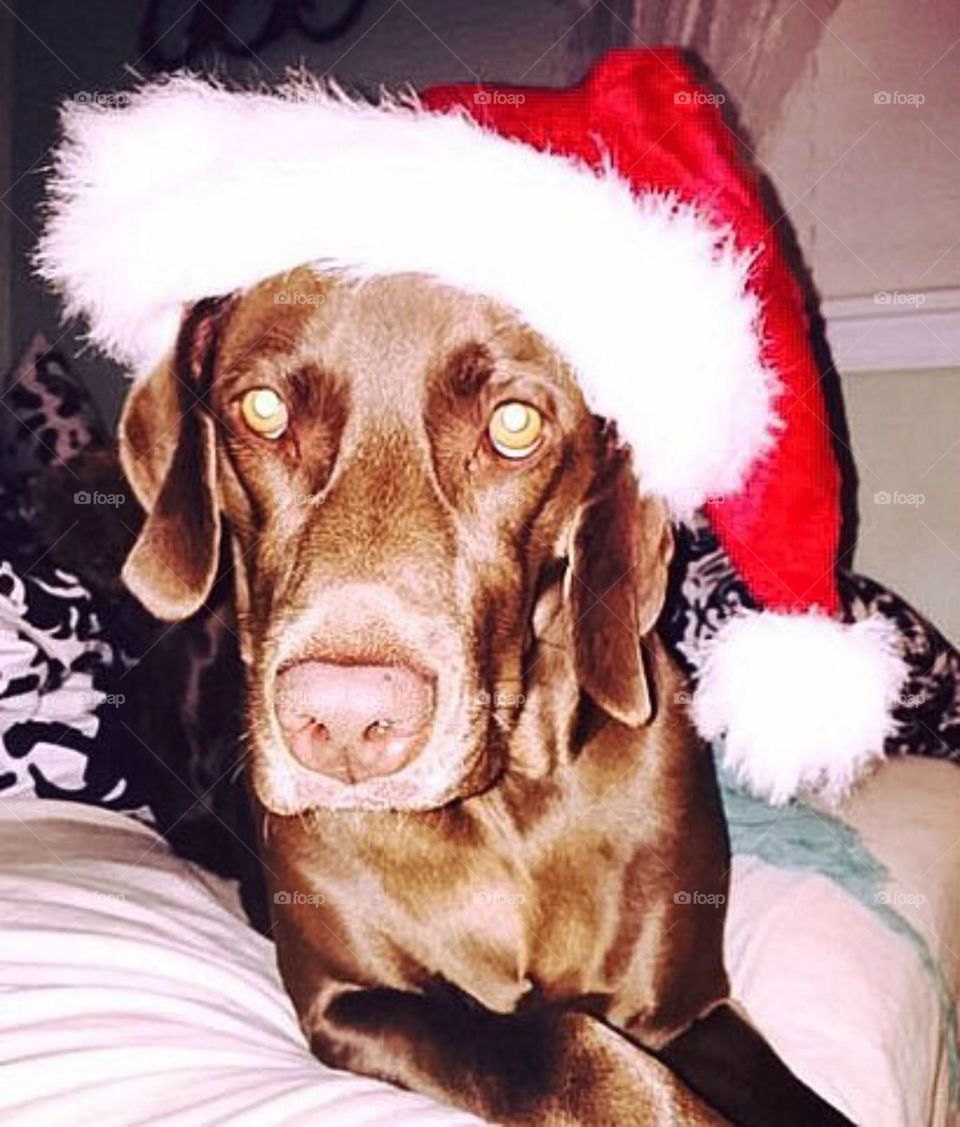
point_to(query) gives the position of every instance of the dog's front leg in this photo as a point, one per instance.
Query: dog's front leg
(729, 1063)
(556, 1069)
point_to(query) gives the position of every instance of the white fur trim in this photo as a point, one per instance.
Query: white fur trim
(803, 702)
(192, 191)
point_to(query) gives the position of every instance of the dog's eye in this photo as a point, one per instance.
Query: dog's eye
(515, 429)
(264, 412)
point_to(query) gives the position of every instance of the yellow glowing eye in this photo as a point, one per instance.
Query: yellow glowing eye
(264, 412)
(516, 429)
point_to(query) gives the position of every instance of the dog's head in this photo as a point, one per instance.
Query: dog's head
(437, 548)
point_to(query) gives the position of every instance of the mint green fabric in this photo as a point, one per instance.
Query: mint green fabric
(801, 838)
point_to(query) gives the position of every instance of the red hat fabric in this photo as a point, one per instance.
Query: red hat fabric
(646, 111)
(620, 220)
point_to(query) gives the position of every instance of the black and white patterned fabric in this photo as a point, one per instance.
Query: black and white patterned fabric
(49, 417)
(706, 591)
(56, 669)
(928, 714)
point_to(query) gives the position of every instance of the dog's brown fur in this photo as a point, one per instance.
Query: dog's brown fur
(528, 920)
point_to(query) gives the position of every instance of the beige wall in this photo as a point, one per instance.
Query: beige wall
(874, 189)
(850, 107)
(905, 436)
(882, 215)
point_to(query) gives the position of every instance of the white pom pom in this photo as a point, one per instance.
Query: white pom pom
(802, 702)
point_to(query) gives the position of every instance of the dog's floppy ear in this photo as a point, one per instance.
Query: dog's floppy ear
(168, 452)
(616, 583)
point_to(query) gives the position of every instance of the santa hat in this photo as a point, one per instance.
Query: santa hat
(619, 220)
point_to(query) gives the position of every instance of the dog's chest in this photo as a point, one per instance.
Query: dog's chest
(510, 921)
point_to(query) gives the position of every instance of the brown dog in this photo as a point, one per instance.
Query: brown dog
(495, 846)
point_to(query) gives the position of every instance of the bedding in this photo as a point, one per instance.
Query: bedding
(53, 657)
(50, 416)
(135, 993)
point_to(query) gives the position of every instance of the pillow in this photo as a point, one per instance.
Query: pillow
(53, 661)
(134, 992)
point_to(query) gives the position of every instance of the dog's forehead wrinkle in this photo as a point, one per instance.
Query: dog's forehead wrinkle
(259, 319)
(410, 322)
(384, 337)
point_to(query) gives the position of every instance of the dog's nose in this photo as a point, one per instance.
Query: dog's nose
(354, 722)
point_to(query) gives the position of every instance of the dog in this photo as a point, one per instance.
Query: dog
(483, 812)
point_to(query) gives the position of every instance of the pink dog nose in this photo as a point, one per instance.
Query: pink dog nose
(353, 722)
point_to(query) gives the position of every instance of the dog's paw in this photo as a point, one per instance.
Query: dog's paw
(608, 1081)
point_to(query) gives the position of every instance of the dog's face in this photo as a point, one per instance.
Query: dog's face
(436, 546)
